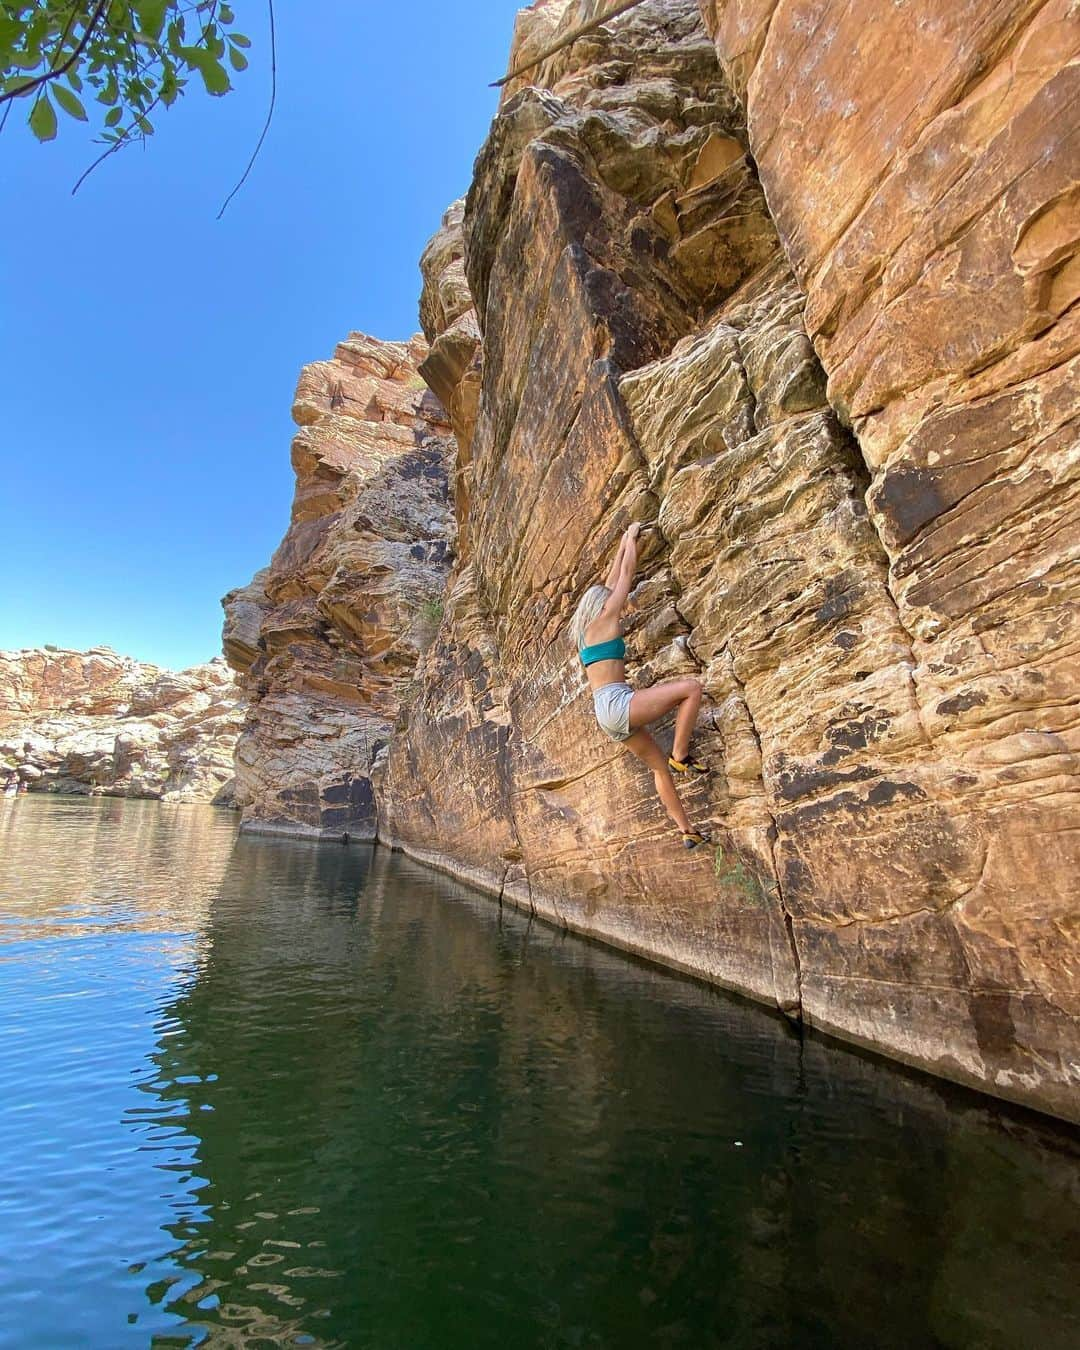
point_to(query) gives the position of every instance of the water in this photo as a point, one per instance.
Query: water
(264, 1093)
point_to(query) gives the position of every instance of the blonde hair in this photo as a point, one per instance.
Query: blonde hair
(589, 607)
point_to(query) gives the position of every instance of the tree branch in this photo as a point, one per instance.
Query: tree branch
(39, 80)
(565, 41)
(269, 113)
(116, 145)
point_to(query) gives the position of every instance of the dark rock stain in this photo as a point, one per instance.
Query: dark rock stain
(995, 1031)
(961, 702)
(801, 780)
(885, 792)
(840, 594)
(909, 498)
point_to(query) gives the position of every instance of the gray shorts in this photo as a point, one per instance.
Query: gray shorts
(612, 704)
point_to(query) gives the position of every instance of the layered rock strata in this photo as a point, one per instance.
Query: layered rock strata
(932, 222)
(96, 722)
(326, 637)
(819, 327)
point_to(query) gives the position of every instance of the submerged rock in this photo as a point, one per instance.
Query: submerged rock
(97, 722)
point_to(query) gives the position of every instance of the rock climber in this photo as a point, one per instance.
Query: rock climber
(622, 712)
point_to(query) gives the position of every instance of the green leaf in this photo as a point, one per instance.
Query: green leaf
(171, 91)
(225, 13)
(35, 36)
(70, 104)
(42, 119)
(237, 59)
(240, 40)
(145, 125)
(9, 32)
(16, 84)
(113, 116)
(151, 15)
(74, 79)
(215, 77)
(26, 60)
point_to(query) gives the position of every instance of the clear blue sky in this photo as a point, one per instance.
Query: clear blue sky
(149, 352)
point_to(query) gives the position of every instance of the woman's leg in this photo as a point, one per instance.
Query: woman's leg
(649, 704)
(643, 745)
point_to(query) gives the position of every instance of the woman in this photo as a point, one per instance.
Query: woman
(623, 712)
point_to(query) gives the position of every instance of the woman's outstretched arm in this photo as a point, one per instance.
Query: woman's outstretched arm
(625, 579)
(615, 569)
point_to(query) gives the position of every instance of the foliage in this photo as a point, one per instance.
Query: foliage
(429, 615)
(111, 63)
(740, 878)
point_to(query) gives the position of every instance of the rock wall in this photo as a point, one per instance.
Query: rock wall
(816, 323)
(326, 637)
(932, 219)
(96, 722)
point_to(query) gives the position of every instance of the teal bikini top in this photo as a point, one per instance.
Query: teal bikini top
(612, 650)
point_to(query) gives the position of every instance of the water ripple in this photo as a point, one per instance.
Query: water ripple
(256, 1092)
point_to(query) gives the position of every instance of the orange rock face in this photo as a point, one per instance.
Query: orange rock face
(931, 218)
(843, 391)
(796, 285)
(326, 637)
(97, 722)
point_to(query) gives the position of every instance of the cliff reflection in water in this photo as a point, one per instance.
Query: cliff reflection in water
(260, 1092)
(432, 1124)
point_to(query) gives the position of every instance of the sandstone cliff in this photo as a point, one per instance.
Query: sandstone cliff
(816, 323)
(326, 637)
(96, 722)
(793, 280)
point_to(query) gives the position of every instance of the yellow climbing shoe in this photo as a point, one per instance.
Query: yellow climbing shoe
(694, 839)
(688, 765)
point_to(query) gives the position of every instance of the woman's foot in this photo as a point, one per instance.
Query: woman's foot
(694, 839)
(688, 765)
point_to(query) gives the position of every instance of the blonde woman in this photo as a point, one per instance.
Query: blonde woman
(622, 712)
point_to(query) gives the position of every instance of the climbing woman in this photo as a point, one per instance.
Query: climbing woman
(622, 712)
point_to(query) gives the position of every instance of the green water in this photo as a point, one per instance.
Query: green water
(262, 1093)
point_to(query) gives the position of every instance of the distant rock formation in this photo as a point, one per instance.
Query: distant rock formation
(327, 636)
(96, 722)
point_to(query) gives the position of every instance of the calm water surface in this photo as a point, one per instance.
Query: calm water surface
(261, 1093)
